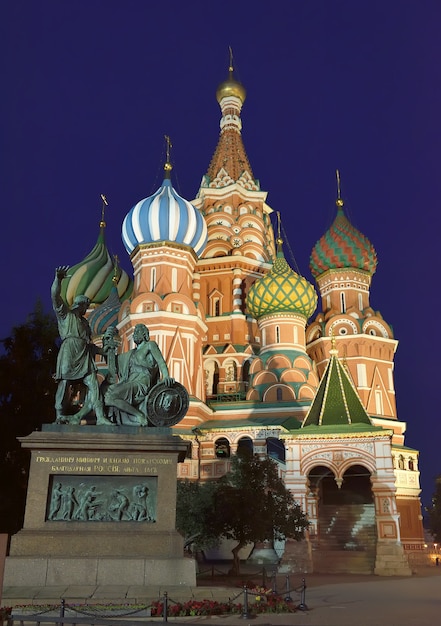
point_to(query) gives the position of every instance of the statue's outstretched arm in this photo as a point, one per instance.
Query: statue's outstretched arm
(60, 273)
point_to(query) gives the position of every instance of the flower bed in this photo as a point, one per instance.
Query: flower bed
(259, 601)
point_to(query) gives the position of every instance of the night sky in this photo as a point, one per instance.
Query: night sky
(90, 88)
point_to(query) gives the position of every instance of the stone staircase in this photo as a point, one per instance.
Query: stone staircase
(347, 539)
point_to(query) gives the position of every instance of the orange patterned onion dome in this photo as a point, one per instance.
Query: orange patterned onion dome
(281, 291)
(342, 246)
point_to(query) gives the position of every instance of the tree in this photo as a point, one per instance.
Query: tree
(194, 514)
(434, 512)
(253, 505)
(27, 388)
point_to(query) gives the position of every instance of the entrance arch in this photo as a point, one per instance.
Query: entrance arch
(346, 535)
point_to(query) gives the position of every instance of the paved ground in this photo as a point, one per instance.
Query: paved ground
(339, 600)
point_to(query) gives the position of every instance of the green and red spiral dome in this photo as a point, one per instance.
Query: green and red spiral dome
(342, 246)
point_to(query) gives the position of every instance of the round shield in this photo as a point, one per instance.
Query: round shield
(167, 405)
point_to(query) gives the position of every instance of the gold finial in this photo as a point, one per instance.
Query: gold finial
(231, 67)
(115, 269)
(279, 239)
(333, 350)
(168, 166)
(105, 203)
(339, 202)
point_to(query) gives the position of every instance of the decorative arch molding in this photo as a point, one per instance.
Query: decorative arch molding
(365, 461)
(271, 395)
(265, 378)
(338, 459)
(313, 332)
(306, 392)
(216, 219)
(279, 361)
(293, 376)
(253, 395)
(252, 250)
(146, 303)
(216, 247)
(302, 362)
(344, 322)
(377, 328)
(256, 365)
(173, 299)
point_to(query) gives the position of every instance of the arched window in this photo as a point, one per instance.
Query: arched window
(245, 447)
(275, 448)
(153, 279)
(279, 394)
(222, 448)
(401, 462)
(174, 279)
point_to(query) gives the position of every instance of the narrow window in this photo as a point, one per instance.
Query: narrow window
(343, 302)
(361, 374)
(378, 403)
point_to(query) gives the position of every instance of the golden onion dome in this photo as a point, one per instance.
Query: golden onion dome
(231, 87)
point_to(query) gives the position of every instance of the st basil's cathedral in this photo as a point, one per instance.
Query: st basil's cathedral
(269, 366)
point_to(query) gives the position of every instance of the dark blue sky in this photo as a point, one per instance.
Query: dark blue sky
(90, 87)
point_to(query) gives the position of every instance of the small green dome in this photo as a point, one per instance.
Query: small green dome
(282, 290)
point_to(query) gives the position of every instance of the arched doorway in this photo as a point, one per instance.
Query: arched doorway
(346, 530)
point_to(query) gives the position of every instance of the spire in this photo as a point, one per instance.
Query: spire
(337, 402)
(103, 210)
(339, 202)
(167, 165)
(279, 240)
(230, 163)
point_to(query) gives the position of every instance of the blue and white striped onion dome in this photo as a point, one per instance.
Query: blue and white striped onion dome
(164, 216)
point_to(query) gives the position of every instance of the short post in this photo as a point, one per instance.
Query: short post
(165, 609)
(264, 578)
(274, 589)
(302, 606)
(287, 590)
(62, 609)
(245, 612)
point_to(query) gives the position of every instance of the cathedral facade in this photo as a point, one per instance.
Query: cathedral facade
(270, 365)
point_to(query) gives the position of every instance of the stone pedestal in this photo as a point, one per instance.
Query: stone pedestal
(391, 560)
(100, 509)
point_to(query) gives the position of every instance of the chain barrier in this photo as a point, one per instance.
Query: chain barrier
(245, 591)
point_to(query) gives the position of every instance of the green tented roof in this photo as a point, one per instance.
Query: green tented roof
(337, 402)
